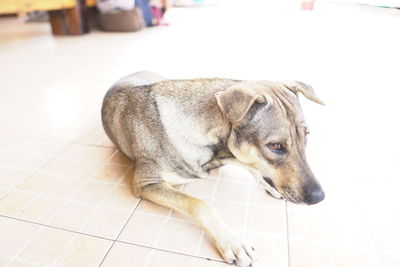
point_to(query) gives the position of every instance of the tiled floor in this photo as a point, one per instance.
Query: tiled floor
(65, 194)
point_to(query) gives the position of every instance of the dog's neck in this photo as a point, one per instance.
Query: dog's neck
(222, 154)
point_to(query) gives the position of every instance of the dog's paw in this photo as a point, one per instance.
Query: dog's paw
(235, 251)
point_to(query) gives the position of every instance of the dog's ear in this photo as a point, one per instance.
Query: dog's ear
(235, 102)
(305, 89)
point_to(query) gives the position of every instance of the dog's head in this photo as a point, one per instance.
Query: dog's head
(269, 135)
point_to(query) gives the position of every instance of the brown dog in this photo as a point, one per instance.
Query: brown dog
(179, 130)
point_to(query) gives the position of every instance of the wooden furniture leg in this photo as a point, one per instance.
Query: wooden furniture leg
(76, 18)
(71, 21)
(57, 22)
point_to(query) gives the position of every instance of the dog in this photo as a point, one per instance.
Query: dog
(177, 131)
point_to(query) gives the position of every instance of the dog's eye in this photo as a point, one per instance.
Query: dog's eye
(275, 147)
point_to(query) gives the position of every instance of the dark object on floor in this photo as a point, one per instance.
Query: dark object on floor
(124, 21)
(71, 21)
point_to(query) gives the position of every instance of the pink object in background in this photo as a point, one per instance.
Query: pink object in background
(307, 5)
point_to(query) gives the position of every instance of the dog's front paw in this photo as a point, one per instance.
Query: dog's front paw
(237, 252)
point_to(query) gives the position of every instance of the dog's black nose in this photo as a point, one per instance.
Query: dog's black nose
(315, 196)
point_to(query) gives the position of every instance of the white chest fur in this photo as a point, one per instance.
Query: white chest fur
(184, 132)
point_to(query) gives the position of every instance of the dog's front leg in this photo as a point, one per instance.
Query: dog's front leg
(230, 246)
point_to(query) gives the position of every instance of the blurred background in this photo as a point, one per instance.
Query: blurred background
(58, 58)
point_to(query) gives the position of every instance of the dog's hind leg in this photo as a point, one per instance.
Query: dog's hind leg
(230, 246)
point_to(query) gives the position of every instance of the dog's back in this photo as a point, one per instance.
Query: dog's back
(165, 120)
(126, 97)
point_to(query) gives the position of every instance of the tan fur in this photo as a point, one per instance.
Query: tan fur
(176, 131)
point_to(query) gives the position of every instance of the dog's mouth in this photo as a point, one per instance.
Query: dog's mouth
(286, 192)
(269, 181)
(289, 195)
(275, 192)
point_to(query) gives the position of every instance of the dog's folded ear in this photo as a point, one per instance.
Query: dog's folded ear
(235, 102)
(305, 89)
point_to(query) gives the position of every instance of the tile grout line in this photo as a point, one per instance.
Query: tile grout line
(70, 201)
(16, 255)
(167, 220)
(151, 254)
(370, 237)
(307, 241)
(51, 158)
(287, 234)
(103, 238)
(92, 145)
(80, 178)
(34, 172)
(101, 140)
(218, 181)
(36, 195)
(164, 225)
(23, 136)
(40, 170)
(137, 212)
(83, 134)
(244, 234)
(200, 241)
(97, 144)
(330, 243)
(82, 185)
(51, 217)
(203, 233)
(25, 245)
(70, 198)
(119, 234)
(98, 205)
(55, 227)
(10, 258)
(169, 251)
(70, 176)
(163, 228)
